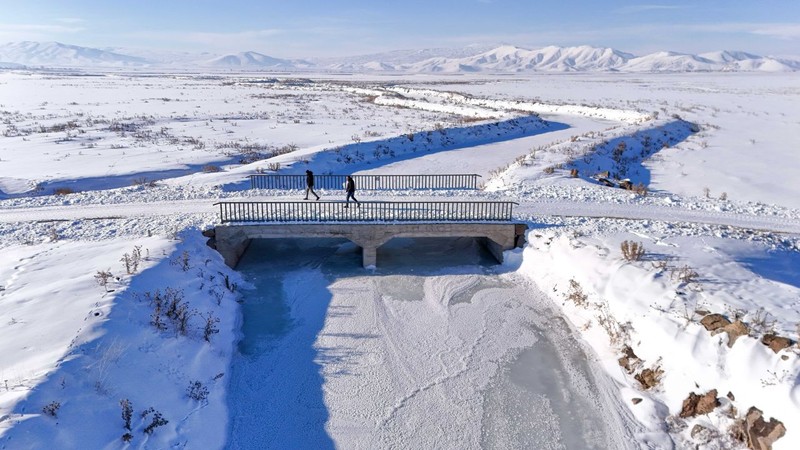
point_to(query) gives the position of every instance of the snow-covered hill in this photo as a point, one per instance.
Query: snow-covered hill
(58, 54)
(255, 60)
(470, 59)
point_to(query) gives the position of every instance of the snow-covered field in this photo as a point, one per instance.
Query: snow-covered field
(147, 156)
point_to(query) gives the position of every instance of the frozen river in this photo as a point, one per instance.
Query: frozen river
(435, 349)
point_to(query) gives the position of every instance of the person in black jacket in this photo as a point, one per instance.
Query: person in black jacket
(310, 184)
(350, 188)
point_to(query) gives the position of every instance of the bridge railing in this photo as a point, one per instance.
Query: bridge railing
(369, 182)
(372, 211)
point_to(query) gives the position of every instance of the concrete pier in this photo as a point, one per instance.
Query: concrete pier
(232, 240)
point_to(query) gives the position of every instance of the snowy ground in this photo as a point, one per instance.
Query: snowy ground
(67, 340)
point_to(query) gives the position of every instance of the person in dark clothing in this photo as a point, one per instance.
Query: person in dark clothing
(310, 184)
(350, 188)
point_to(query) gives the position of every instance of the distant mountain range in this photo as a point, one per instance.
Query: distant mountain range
(502, 59)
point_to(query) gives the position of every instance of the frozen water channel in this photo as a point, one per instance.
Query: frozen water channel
(435, 349)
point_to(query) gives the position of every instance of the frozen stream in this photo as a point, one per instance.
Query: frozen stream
(410, 356)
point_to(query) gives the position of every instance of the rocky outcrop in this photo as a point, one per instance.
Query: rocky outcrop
(776, 343)
(649, 378)
(757, 433)
(734, 331)
(629, 361)
(699, 404)
(713, 322)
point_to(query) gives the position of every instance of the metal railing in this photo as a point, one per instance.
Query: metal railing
(373, 211)
(368, 182)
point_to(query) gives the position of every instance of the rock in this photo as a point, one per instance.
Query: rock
(701, 434)
(734, 330)
(712, 322)
(730, 396)
(210, 233)
(629, 360)
(699, 404)
(626, 184)
(755, 432)
(701, 312)
(606, 182)
(636, 400)
(776, 343)
(649, 378)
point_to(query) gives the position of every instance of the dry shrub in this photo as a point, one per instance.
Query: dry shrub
(632, 251)
(576, 294)
(640, 190)
(549, 170)
(210, 168)
(685, 274)
(63, 191)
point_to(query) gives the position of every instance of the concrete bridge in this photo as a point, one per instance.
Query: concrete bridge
(376, 224)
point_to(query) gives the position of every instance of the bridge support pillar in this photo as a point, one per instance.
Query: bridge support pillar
(369, 255)
(494, 248)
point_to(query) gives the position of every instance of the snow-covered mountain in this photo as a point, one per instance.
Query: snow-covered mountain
(514, 59)
(62, 55)
(500, 59)
(593, 59)
(8, 65)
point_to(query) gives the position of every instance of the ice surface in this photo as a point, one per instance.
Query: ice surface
(434, 350)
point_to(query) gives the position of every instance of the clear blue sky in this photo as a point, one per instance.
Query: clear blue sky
(311, 28)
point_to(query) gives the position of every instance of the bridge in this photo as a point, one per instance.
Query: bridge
(369, 225)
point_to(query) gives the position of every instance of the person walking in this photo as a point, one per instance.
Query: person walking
(310, 184)
(350, 188)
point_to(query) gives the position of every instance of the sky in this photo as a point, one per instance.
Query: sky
(320, 28)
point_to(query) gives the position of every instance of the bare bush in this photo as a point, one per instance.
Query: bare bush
(158, 420)
(640, 189)
(576, 294)
(549, 170)
(144, 182)
(762, 322)
(617, 332)
(197, 391)
(211, 168)
(210, 327)
(632, 251)
(274, 166)
(127, 413)
(63, 191)
(102, 277)
(51, 409)
(132, 260)
(182, 261)
(685, 274)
